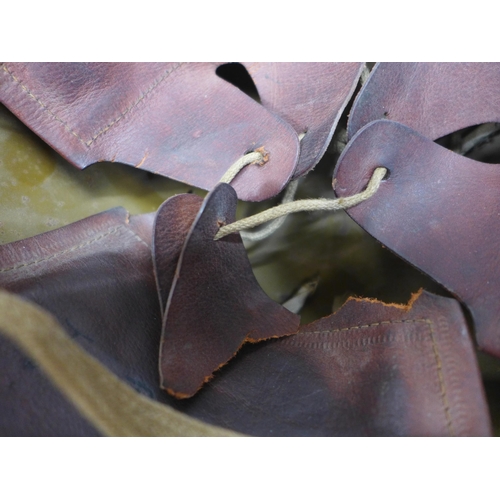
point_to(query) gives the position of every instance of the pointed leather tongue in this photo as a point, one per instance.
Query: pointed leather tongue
(215, 303)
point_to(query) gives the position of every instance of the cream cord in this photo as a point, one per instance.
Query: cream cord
(305, 205)
(249, 158)
(277, 223)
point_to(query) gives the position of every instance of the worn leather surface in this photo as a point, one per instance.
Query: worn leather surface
(173, 221)
(215, 303)
(437, 210)
(96, 277)
(179, 120)
(309, 96)
(368, 370)
(435, 99)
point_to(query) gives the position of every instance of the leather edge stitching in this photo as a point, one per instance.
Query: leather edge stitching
(45, 107)
(382, 339)
(63, 252)
(122, 114)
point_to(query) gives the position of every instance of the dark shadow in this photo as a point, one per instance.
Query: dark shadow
(479, 142)
(237, 75)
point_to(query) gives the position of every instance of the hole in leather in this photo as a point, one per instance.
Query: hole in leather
(479, 142)
(237, 75)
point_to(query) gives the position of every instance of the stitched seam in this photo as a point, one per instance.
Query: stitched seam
(454, 383)
(133, 233)
(165, 75)
(347, 343)
(383, 339)
(369, 325)
(107, 127)
(441, 380)
(63, 252)
(28, 91)
(137, 237)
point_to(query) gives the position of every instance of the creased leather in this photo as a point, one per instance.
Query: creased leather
(438, 210)
(96, 277)
(177, 120)
(368, 370)
(215, 302)
(376, 369)
(435, 99)
(309, 96)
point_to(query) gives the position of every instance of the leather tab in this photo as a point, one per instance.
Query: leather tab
(437, 210)
(435, 99)
(178, 120)
(309, 96)
(215, 303)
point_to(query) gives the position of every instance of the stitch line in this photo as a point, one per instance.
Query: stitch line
(165, 75)
(28, 91)
(89, 142)
(369, 325)
(441, 380)
(63, 252)
(382, 339)
(137, 237)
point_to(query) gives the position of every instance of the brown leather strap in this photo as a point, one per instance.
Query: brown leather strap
(437, 210)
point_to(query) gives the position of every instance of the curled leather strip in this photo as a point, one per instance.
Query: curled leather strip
(435, 99)
(437, 210)
(172, 224)
(177, 120)
(309, 96)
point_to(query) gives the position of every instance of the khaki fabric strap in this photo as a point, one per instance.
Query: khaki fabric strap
(113, 407)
